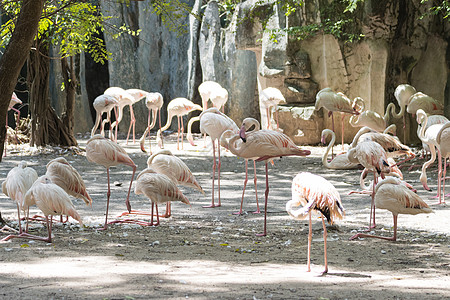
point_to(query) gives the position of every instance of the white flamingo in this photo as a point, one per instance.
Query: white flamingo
(137, 95)
(339, 162)
(154, 102)
(104, 104)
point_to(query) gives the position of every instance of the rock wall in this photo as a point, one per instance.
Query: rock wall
(398, 48)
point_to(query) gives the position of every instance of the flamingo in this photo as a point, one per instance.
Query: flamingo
(164, 162)
(51, 200)
(372, 156)
(230, 136)
(107, 153)
(154, 102)
(177, 107)
(340, 162)
(159, 188)
(124, 99)
(67, 177)
(14, 100)
(315, 193)
(208, 88)
(18, 181)
(137, 95)
(371, 118)
(214, 123)
(269, 98)
(428, 104)
(265, 145)
(427, 135)
(402, 94)
(104, 104)
(336, 102)
(431, 120)
(394, 196)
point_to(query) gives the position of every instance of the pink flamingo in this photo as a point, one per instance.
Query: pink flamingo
(337, 102)
(18, 181)
(428, 104)
(159, 188)
(393, 195)
(137, 95)
(315, 193)
(269, 98)
(67, 177)
(123, 98)
(374, 159)
(177, 107)
(14, 100)
(214, 123)
(154, 102)
(266, 145)
(443, 140)
(207, 89)
(51, 200)
(104, 104)
(339, 162)
(107, 153)
(402, 94)
(230, 136)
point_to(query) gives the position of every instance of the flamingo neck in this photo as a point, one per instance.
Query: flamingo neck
(325, 155)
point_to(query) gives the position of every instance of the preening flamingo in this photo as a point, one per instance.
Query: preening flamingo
(51, 200)
(137, 95)
(208, 88)
(265, 145)
(230, 136)
(154, 102)
(371, 118)
(428, 104)
(159, 188)
(18, 181)
(339, 162)
(337, 102)
(107, 153)
(104, 104)
(393, 195)
(67, 177)
(315, 193)
(402, 94)
(269, 98)
(124, 99)
(372, 156)
(214, 123)
(177, 107)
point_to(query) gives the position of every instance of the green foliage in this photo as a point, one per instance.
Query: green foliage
(442, 7)
(172, 14)
(72, 25)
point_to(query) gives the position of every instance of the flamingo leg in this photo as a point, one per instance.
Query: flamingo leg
(332, 127)
(342, 130)
(178, 133)
(218, 172)
(168, 212)
(439, 195)
(269, 123)
(127, 202)
(18, 214)
(309, 244)
(372, 204)
(243, 191)
(393, 238)
(108, 195)
(214, 175)
(443, 181)
(148, 128)
(265, 205)
(132, 123)
(182, 133)
(325, 246)
(26, 235)
(256, 188)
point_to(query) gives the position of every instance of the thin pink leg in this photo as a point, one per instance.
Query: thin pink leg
(269, 123)
(342, 130)
(265, 205)
(325, 246)
(182, 133)
(214, 175)
(178, 133)
(132, 124)
(364, 235)
(218, 172)
(243, 191)
(309, 244)
(108, 194)
(439, 174)
(255, 180)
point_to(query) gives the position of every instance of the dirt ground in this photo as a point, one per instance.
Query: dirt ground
(210, 253)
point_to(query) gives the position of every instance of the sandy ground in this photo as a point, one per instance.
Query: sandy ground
(210, 253)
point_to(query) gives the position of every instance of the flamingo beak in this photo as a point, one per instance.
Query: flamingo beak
(242, 134)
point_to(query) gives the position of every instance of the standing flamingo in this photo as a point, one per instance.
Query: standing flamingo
(159, 188)
(107, 153)
(124, 99)
(265, 145)
(177, 107)
(336, 102)
(269, 98)
(51, 200)
(428, 104)
(137, 95)
(208, 88)
(154, 102)
(67, 177)
(374, 159)
(315, 193)
(104, 104)
(443, 140)
(18, 181)
(402, 94)
(14, 100)
(230, 136)
(339, 162)
(214, 123)
(393, 195)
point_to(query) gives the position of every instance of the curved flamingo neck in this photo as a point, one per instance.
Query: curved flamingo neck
(423, 123)
(391, 107)
(331, 144)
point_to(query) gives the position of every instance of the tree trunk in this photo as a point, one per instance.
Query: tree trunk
(70, 86)
(15, 55)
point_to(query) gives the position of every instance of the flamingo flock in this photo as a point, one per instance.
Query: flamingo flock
(373, 151)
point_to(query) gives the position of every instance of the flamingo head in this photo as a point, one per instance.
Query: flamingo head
(242, 134)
